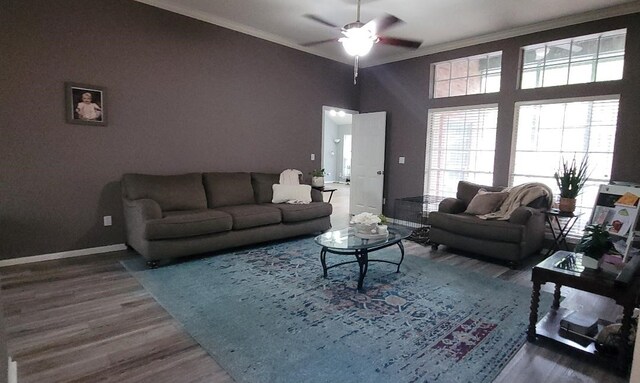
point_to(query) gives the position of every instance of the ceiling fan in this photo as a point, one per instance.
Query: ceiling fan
(358, 38)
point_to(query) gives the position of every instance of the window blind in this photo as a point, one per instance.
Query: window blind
(548, 132)
(460, 146)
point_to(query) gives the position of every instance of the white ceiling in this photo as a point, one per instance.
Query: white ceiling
(440, 24)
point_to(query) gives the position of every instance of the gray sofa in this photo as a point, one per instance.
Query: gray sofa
(180, 215)
(512, 240)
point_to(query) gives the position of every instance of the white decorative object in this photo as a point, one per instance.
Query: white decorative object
(589, 263)
(382, 229)
(317, 182)
(366, 223)
(286, 193)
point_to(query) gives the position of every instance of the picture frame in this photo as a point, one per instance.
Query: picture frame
(85, 104)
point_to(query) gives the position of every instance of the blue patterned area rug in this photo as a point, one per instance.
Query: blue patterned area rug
(267, 315)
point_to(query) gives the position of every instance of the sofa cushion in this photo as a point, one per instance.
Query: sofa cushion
(472, 226)
(297, 213)
(228, 189)
(246, 216)
(262, 186)
(176, 192)
(486, 202)
(179, 224)
(468, 190)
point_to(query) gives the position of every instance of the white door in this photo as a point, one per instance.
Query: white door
(367, 162)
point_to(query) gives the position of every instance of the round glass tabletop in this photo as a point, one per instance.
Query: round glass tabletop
(346, 239)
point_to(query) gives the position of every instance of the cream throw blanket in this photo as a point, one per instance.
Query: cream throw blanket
(520, 195)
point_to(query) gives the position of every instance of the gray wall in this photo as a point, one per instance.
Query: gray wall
(182, 96)
(402, 89)
(329, 161)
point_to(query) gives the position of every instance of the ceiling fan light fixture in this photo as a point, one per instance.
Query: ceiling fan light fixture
(358, 41)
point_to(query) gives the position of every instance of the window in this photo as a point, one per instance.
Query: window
(549, 131)
(460, 146)
(592, 58)
(469, 75)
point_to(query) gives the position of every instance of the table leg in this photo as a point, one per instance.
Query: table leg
(401, 246)
(533, 315)
(625, 330)
(554, 246)
(330, 196)
(556, 297)
(363, 261)
(323, 260)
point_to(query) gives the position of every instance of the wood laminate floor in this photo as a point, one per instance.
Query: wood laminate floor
(88, 320)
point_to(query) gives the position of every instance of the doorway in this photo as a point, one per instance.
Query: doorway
(336, 144)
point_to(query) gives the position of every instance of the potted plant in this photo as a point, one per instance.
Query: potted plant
(571, 179)
(383, 225)
(317, 178)
(595, 243)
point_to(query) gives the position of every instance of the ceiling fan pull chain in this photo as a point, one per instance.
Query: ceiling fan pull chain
(355, 71)
(358, 12)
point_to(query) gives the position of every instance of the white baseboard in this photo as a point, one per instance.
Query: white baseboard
(63, 254)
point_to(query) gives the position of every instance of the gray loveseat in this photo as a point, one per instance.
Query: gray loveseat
(511, 240)
(180, 215)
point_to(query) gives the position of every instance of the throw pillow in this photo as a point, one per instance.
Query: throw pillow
(486, 202)
(291, 193)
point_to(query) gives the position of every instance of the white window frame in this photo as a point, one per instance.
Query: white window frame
(576, 232)
(427, 167)
(570, 41)
(483, 76)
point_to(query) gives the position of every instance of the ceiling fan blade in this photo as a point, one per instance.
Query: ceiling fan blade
(320, 20)
(400, 42)
(318, 42)
(382, 23)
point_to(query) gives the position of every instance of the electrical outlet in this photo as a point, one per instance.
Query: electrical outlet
(401, 160)
(313, 157)
(107, 220)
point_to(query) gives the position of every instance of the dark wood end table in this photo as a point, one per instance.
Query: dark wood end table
(560, 224)
(623, 288)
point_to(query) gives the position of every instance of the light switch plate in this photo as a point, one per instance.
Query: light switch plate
(107, 220)
(313, 157)
(401, 160)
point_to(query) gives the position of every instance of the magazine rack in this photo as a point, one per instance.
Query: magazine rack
(621, 220)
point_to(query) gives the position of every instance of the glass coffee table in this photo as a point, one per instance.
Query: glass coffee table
(345, 242)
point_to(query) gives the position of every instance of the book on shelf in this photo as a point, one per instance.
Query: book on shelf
(579, 323)
(628, 199)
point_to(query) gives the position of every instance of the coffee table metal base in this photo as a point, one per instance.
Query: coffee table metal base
(362, 258)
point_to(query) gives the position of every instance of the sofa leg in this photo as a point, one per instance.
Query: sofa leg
(152, 264)
(514, 265)
(434, 246)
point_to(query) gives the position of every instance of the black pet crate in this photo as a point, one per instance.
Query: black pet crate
(414, 212)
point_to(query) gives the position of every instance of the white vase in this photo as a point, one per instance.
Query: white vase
(317, 182)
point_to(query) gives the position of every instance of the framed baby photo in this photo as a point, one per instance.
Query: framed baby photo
(85, 104)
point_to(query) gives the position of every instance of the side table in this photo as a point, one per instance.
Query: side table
(559, 230)
(623, 288)
(326, 190)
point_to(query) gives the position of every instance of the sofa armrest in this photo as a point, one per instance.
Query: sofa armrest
(145, 209)
(452, 206)
(522, 214)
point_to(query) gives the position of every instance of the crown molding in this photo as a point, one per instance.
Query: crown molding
(228, 24)
(598, 14)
